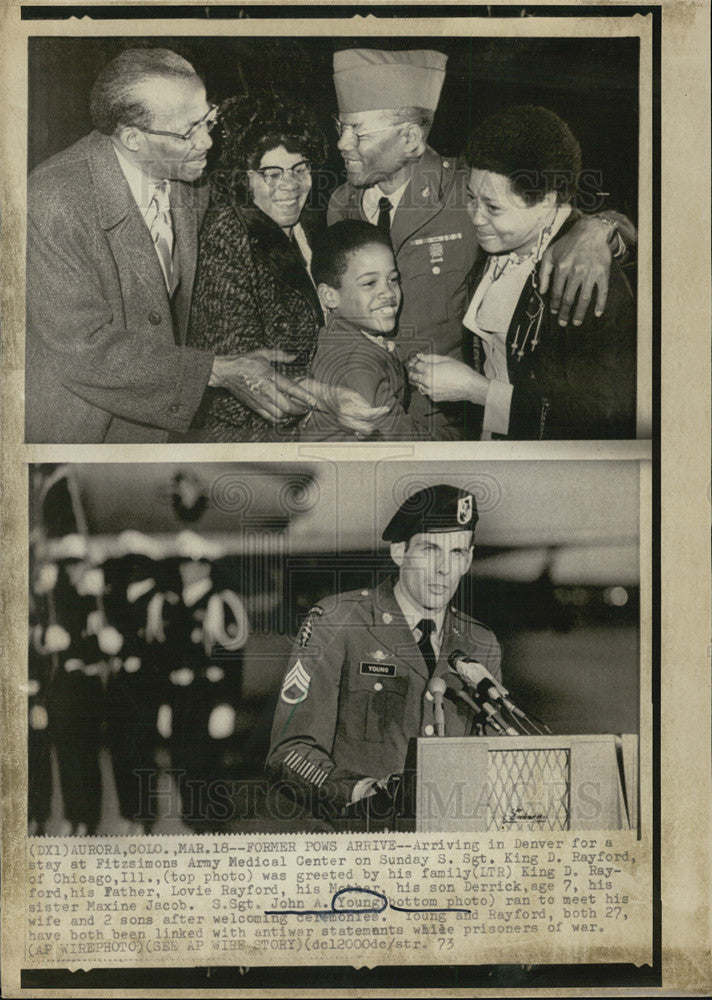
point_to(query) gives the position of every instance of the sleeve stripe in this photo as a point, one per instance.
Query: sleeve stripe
(306, 769)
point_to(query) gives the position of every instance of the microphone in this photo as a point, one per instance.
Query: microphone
(485, 712)
(485, 686)
(456, 685)
(477, 676)
(456, 690)
(436, 689)
(496, 720)
(474, 674)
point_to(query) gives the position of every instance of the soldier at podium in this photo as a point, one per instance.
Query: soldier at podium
(359, 682)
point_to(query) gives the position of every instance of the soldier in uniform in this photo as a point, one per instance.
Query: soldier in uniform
(396, 181)
(357, 684)
(133, 689)
(76, 696)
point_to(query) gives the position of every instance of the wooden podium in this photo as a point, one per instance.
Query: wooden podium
(462, 784)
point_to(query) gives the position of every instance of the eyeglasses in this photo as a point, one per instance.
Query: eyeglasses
(273, 175)
(207, 122)
(356, 137)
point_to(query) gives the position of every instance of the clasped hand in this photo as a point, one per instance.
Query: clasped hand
(354, 415)
(253, 380)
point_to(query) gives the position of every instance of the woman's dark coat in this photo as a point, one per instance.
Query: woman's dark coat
(252, 291)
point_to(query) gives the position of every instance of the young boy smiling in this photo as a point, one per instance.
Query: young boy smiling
(359, 289)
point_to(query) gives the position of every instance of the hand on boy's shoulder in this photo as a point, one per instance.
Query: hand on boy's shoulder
(347, 407)
(355, 414)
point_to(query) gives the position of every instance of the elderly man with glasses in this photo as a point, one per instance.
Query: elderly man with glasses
(112, 240)
(387, 101)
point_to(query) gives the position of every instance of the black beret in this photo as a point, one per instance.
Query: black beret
(436, 508)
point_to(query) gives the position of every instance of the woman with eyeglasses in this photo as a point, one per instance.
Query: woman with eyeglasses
(253, 292)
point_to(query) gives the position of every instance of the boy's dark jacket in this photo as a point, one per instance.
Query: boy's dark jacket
(345, 358)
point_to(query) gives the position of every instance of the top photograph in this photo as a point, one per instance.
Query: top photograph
(264, 239)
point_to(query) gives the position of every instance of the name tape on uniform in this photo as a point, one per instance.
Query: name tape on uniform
(381, 669)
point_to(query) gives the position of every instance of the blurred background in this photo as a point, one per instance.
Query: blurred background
(592, 83)
(165, 598)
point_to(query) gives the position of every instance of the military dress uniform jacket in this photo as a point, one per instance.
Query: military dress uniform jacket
(102, 361)
(435, 247)
(354, 694)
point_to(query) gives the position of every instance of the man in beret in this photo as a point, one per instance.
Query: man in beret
(356, 687)
(387, 101)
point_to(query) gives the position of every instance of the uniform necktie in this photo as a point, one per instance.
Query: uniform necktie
(384, 215)
(161, 228)
(426, 627)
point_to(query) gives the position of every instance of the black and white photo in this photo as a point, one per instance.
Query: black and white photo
(261, 658)
(355, 517)
(185, 281)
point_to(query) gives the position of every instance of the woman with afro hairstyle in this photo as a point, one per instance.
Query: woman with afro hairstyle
(532, 377)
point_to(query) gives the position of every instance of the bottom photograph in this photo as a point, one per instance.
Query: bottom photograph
(313, 646)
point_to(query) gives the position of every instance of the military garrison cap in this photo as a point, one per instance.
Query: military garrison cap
(436, 508)
(372, 79)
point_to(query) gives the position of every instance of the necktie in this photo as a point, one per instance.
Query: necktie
(384, 215)
(161, 228)
(426, 626)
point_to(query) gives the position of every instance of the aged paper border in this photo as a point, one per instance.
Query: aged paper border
(685, 409)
